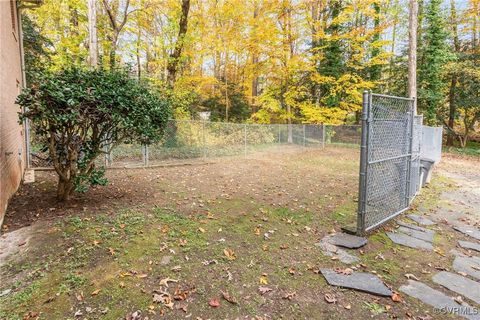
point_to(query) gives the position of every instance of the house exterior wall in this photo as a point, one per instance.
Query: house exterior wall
(12, 141)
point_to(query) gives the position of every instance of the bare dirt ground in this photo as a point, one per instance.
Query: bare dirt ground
(226, 240)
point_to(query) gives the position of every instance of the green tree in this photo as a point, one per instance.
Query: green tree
(78, 114)
(35, 46)
(434, 56)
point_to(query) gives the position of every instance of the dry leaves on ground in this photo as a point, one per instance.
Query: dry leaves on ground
(330, 298)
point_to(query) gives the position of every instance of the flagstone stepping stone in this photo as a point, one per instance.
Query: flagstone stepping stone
(362, 281)
(469, 245)
(459, 284)
(425, 236)
(331, 250)
(414, 227)
(346, 240)
(469, 231)
(468, 265)
(408, 241)
(438, 300)
(420, 220)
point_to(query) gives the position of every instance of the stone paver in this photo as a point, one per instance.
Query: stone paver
(361, 281)
(414, 227)
(468, 265)
(459, 284)
(469, 245)
(334, 251)
(425, 236)
(469, 231)
(408, 241)
(420, 220)
(438, 300)
(346, 240)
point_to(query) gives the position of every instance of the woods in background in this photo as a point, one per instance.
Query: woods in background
(274, 61)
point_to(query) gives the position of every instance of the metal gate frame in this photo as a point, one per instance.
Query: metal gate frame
(387, 184)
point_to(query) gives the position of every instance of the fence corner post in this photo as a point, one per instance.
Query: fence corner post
(363, 165)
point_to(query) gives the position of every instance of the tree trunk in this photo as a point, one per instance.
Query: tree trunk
(137, 53)
(172, 66)
(92, 34)
(290, 127)
(412, 50)
(254, 62)
(453, 82)
(451, 114)
(113, 52)
(65, 189)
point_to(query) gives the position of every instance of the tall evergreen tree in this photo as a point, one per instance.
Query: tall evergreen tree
(333, 62)
(435, 54)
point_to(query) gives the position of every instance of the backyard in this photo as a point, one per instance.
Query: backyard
(224, 239)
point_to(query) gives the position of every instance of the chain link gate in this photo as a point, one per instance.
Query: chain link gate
(388, 168)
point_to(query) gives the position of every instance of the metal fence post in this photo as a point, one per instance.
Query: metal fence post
(145, 155)
(204, 144)
(108, 154)
(410, 150)
(245, 138)
(304, 143)
(323, 135)
(363, 165)
(279, 134)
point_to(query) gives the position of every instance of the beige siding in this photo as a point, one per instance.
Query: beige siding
(12, 148)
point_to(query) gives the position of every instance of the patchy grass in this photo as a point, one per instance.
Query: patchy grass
(230, 227)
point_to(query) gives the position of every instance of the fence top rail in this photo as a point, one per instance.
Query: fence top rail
(264, 124)
(392, 97)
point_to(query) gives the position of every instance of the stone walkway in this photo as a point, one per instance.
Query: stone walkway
(464, 218)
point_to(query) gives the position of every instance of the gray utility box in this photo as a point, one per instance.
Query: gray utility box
(426, 168)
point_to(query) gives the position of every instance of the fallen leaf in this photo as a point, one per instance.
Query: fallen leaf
(263, 280)
(264, 290)
(95, 292)
(112, 251)
(330, 298)
(229, 298)
(411, 276)
(165, 281)
(396, 297)
(79, 296)
(289, 295)
(201, 230)
(346, 271)
(229, 254)
(180, 294)
(214, 303)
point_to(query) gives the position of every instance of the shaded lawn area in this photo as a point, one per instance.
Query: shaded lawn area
(242, 230)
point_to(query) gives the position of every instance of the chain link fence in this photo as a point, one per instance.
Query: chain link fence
(190, 139)
(390, 140)
(390, 159)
